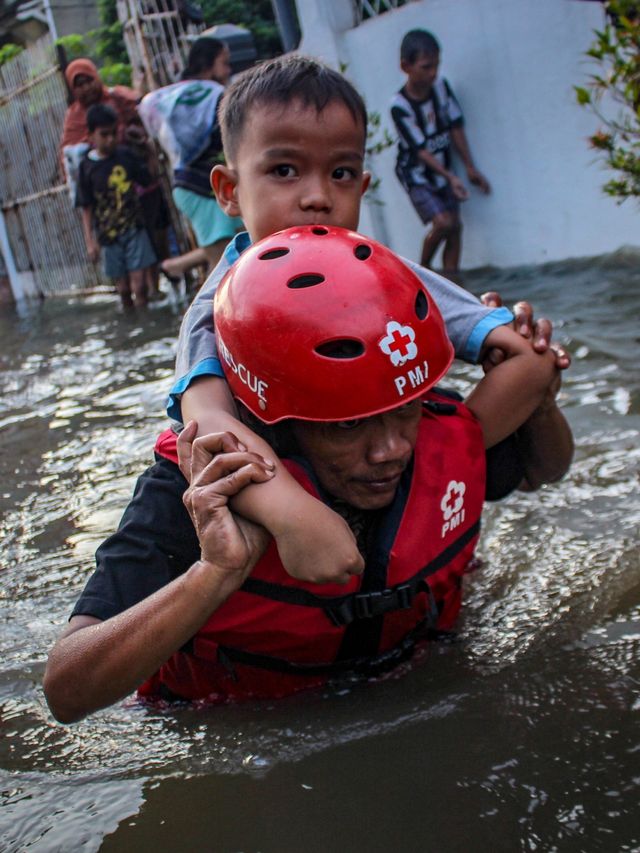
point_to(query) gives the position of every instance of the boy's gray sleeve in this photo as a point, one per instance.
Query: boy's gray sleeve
(197, 353)
(468, 322)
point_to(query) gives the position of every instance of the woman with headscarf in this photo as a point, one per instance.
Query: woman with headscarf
(88, 89)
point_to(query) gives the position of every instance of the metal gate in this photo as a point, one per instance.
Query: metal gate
(40, 231)
(157, 35)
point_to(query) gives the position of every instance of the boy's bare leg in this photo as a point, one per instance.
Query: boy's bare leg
(177, 267)
(152, 276)
(137, 279)
(452, 248)
(123, 288)
(441, 226)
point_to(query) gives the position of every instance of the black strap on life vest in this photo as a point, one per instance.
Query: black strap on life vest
(369, 666)
(344, 609)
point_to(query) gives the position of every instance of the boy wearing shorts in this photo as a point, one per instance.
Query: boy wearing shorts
(429, 120)
(111, 211)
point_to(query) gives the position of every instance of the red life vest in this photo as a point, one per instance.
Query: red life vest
(278, 635)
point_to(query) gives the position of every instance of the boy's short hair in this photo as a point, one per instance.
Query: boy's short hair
(281, 81)
(417, 43)
(101, 115)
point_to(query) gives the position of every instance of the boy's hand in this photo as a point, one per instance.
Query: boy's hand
(539, 332)
(458, 188)
(478, 180)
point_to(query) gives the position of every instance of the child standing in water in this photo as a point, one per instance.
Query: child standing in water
(429, 120)
(111, 211)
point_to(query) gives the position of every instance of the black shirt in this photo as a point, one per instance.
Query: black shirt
(107, 186)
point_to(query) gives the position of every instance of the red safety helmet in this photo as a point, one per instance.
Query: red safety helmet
(324, 324)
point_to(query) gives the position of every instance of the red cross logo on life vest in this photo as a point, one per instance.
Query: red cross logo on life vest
(453, 499)
(452, 506)
(398, 343)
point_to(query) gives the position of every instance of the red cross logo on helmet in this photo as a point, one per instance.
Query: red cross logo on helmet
(398, 343)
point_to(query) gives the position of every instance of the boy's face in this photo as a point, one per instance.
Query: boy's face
(104, 139)
(295, 166)
(422, 73)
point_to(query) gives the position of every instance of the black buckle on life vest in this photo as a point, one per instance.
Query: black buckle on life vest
(366, 605)
(440, 408)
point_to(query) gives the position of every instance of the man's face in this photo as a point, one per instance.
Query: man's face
(295, 166)
(361, 461)
(104, 139)
(422, 73)
(86, 89)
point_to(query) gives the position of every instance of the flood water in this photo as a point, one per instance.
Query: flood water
(522, 736)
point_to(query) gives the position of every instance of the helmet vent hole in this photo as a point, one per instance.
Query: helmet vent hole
(273, 253)
(362, 252)
(342, 348)
(308, 280)
(319, 230)
(422, 305)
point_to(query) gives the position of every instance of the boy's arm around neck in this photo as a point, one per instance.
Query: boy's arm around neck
(509, 394)
(545, 443)
(314, 543)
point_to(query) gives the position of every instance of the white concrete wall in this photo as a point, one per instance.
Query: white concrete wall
(512, 64)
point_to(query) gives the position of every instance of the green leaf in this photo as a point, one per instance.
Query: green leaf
(583, 96)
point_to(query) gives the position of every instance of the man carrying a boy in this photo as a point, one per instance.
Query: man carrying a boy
(294, 135)
(330, 344)
(111, 210)
(429, 120)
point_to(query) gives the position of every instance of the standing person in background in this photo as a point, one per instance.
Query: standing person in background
(183, 118)
(88, 90)
(111, 208)
(428, 119)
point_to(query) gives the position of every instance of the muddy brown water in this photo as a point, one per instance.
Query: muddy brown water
(522, 736)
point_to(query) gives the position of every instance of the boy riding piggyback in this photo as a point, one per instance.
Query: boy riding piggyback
(294, 134)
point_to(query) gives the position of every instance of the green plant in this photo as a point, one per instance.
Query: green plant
(75, 46)
(616, 49)
(378, 140)
(116, 74)
(103, 44)
(9, 51)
